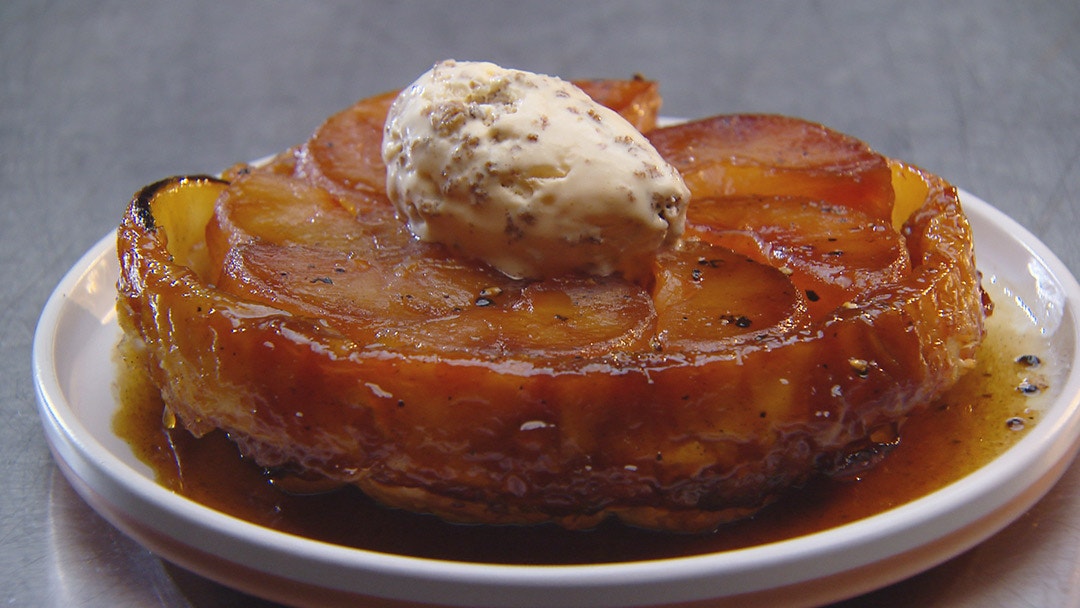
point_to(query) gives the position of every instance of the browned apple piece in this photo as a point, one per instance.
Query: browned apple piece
(770, 155)
(439, 309)
(831, 252)
(709, 298)
(279, 209)
(345, 153)
(637, 100)
(279, 240)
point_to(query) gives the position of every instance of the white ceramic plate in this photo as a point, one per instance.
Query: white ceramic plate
(73, 373)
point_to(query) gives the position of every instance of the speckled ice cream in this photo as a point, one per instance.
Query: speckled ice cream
(527, 173)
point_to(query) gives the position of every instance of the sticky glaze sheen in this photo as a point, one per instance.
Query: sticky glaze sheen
(973, 423)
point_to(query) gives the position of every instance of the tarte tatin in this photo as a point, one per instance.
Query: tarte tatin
(820, 293)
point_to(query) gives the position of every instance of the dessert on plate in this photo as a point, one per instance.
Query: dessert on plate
(500, 297)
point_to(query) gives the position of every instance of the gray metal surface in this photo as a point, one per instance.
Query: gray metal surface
(98, 98)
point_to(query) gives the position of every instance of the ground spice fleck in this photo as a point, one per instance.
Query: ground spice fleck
(860, 366)
(1028, 387)
(1029, 360)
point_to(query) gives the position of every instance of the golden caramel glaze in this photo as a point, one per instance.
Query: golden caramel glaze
(791, 325)
(770, 155)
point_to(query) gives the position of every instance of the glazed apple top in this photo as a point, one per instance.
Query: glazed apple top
(528, 174)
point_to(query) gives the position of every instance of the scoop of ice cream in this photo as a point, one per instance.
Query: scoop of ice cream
(527, 173)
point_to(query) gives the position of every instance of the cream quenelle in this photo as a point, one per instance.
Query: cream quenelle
(527, 173)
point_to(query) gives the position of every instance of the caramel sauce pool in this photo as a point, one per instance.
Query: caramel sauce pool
(988, 411)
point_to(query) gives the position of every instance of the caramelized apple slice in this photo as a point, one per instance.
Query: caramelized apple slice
(558, 321)
(637, 100)
(280, 241)
(768, 155)
(709, 298)
(831, 252)
(345, 153)
(274, 208)
(439, 307)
